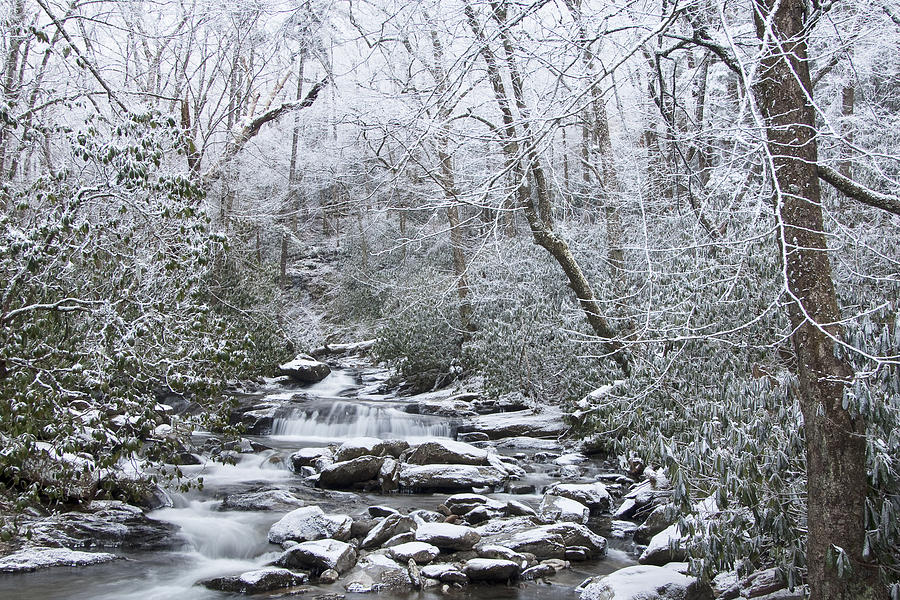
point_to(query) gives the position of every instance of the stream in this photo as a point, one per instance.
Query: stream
(216, 542)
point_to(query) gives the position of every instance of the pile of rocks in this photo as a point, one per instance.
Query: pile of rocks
(471, 538)
(393, 465)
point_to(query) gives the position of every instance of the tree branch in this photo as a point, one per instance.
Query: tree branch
(858, 192)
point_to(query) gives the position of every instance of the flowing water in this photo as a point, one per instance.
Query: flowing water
(216, 542)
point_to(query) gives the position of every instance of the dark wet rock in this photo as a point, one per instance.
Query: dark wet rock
(361, 527)
(593, 495)
(556, 508)
(33, 558)
(491, 569)
(448, 537)
(460, 504)
(275, 500)
(427, 516)
(257, 420)
(319, 556)
(107, 524)
(257, 581)
(310, 523)
(474, 436)
(400, 538)
(305, 369)
(521, 488)
(496, 551)
(391, 526)
(316, 458)
(575, 534)
(519, 509)
(420, 552)
(369, 446)
(481, 514)
(448, 478)
(382, 511)
(344, 474)
(541, 543)
(447, 452)
(507, 403)
(538, 572)
(655, 523)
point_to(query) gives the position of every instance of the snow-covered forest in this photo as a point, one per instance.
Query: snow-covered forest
(668, 226)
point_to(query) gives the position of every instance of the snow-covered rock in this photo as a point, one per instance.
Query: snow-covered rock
(447, 536)
(257, 581)
(344, 474)
(369, 446)
(389, 527)
(448, 478)
(447, 452)
(537, 541)
(593, 495)
(318, 556)
(317, 458)
(496, 551)
(263, 500)
(106, 524)
(305, 369)
(556, 508)
(644, 582)
(310, 523)
(491, 569)
(32, 559)
(420, 552)
(523, 423)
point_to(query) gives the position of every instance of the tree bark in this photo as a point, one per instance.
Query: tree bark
(835, 439)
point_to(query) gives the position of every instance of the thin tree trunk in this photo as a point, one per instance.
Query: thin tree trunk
(835, 439)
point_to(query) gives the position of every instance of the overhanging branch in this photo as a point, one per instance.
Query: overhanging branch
(858, 192)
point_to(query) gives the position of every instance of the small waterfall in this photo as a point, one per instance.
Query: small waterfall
(341, 420)
(214, 534)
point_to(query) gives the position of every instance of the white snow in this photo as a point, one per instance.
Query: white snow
(30, 559)
(638, 583)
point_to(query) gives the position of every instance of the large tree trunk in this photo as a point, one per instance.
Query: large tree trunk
(835, 440)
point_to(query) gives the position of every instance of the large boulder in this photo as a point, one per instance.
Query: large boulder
(578, 535)
(447, 452)
(420, 552)
(523, 423)
(448, 478)
(305, 369)
(369, 446)
(318, 556)
(537, 541)
(310, 523)
(491, 569)
(257, 581)
(346, 473)
(645, 582)
(664, 547)
(593, 495)
(389, 527)
(556, 508)
(31, 559)
(655, 522)
(447, 536)
(317, 458)
(107, 524)
(262, 500)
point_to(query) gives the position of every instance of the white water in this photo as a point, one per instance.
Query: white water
(342, 420)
